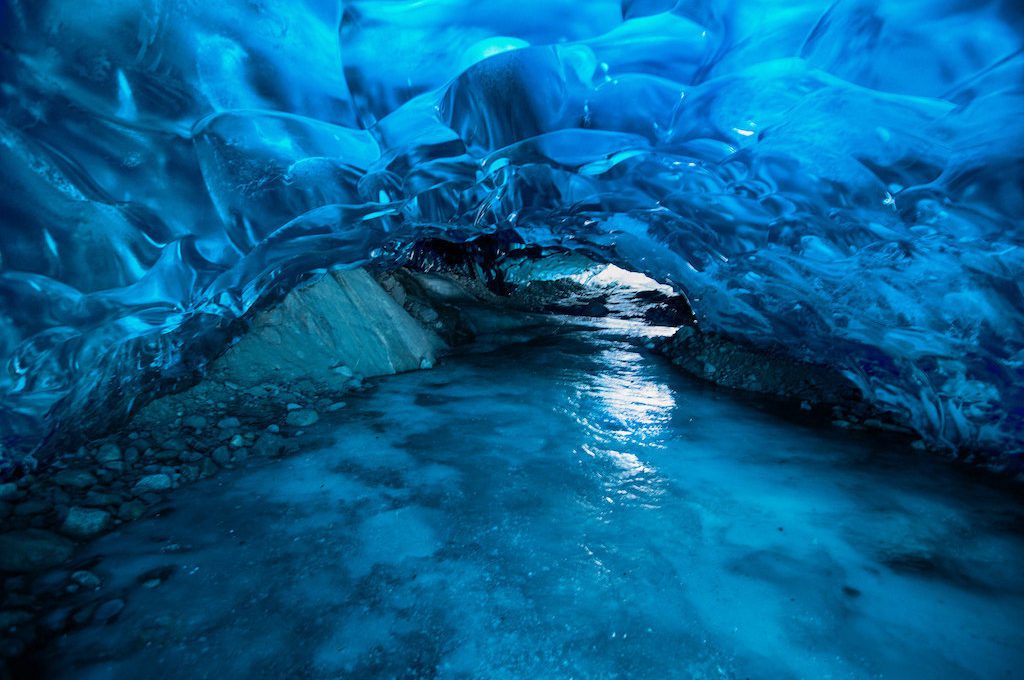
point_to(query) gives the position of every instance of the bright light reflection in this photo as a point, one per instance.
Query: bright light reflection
(630, 397)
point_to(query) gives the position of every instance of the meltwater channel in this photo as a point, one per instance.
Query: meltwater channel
(567, 507)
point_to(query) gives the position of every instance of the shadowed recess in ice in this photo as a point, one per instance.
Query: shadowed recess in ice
(841, 179)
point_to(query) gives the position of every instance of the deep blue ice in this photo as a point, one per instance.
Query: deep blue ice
(570, 507)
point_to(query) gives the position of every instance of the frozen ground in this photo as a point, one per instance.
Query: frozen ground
(567, 508)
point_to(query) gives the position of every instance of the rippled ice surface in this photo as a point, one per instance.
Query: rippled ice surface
(571, 508)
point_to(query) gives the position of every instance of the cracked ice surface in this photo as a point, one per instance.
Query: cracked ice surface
(843, 179)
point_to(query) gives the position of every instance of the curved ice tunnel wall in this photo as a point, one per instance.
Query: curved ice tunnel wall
(844, 179)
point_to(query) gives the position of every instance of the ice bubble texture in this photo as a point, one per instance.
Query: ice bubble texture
(844, 180)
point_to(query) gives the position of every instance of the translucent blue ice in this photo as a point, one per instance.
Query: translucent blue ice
(841, 179)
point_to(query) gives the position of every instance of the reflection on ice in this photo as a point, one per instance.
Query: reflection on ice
(627, 395)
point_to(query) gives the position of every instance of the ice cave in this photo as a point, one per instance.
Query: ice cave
(492, 339)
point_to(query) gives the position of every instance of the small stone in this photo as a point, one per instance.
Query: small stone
(208, 468)
(229, 423)
(9, 490)
(108, 453)
(273, 428)
(85, 522)
(195, 422)
(32, 549)
(237, 441)
(293, 406)
(302, 418)
(344, 371)
(32, 506)
(222, 455)
(268, 445)
(86, 579)
(150, 483)
(131, 510)
(336, 406)
(175, 443)
(76, 479)
(426, 362)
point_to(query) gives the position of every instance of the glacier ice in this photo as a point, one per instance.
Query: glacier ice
(843, 179)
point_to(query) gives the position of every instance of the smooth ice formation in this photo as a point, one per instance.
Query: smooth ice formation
(842, 179)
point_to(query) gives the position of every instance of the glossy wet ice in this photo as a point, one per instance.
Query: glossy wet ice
(567, 508)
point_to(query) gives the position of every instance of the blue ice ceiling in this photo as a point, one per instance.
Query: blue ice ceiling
(845, 180)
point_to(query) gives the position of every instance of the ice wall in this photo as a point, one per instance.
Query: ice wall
(843, 179)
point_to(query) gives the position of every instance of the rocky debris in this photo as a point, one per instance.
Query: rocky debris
(773, 372)
(302, 417)
(195, 422)
(32, 550)
(108, 453)
(85, 522)
(222, 455)
(269, 445)
(76, 479)
(131, 510)
(151, 483)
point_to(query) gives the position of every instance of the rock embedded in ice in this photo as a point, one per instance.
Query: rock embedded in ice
(108, 453)
(76, 479)
(302, 417)
(268, 445)
(32, 549)
(85, 522)
(221, 455)
(151, 483)
(343, 318)
(195, 422)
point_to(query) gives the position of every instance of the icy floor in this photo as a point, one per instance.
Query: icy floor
(569, 508)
